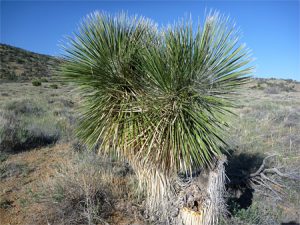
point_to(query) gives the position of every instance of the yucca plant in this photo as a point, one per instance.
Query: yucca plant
(158, 98)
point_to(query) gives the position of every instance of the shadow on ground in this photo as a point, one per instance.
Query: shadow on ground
(290, 223)
(238, 168)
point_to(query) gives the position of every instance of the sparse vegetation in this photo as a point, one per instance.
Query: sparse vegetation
(26, 124)
(44, 80)
(18, 64)
(274, 86)
(84, 190)
(54, 86)
(36, 83)
(13, 169)
(5, 204)
(9, 75)
(258, 215)
(3, 156)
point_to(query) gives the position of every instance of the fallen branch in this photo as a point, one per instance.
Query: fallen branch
(264, 178)
(261, 168)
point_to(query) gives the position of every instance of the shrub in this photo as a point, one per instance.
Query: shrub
(82, 191)
(25, 125)
(276, 88)
(5, 204)
(20, 61)
(259, 87)
(44, 80)
(272, 90)
(3, 156)
(54, 86)
(10, 75)
(292, 119)
(36, 83)
(14, 169)
(256, 214)
(25, 107)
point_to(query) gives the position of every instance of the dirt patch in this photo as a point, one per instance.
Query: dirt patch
(21, 173)
(20, 189)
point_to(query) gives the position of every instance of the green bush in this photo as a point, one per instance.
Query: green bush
(36, 83)
(3, 156)
(44, 80)
(20, 61)
(54, 86)
(5, 203)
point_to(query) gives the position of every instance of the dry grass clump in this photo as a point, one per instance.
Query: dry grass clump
(77, 194)
(25, 107)
(256, 214)
(8, 170)
(85, 190)
(26, 124)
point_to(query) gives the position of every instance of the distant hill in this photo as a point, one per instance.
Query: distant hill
(19, 64)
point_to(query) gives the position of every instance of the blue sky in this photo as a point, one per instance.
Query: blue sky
(270, 28)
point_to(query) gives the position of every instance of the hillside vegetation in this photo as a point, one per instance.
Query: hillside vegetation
(48, 177)
(19, 64)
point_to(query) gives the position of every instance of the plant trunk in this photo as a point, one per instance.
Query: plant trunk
(205, 202)
(198, 200)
